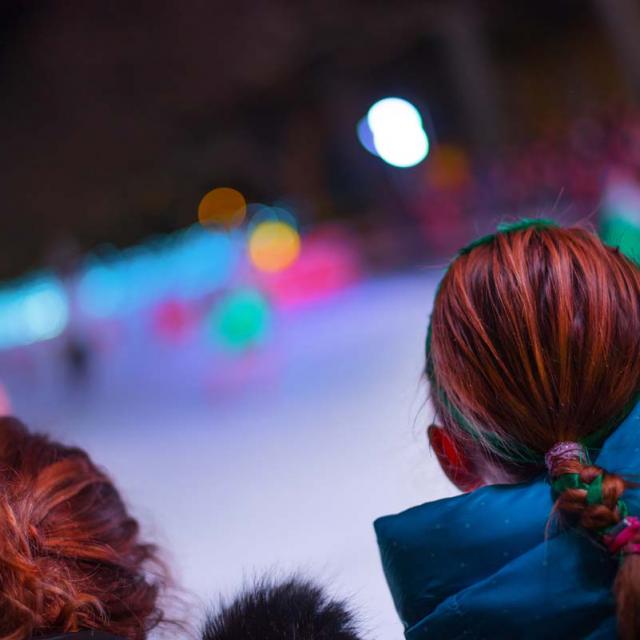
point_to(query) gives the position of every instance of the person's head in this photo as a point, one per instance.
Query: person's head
(295, 609)
(71, 557)
(535, 340)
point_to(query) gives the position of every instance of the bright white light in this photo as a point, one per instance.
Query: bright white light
(398, 136)
(403, 150)
(393, 114)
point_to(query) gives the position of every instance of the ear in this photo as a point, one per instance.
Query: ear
(455, 464)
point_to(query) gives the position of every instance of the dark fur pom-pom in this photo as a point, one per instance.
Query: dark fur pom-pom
(295, 609)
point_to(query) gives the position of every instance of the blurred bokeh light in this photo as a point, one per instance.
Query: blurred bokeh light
(273, 213)
(187, 264)
(101, 291)
(398, 136)
(222, 207)
(365, 135)
(448, 168)
(32, 311)
(273, 245)
(173, 320)
(241, 319)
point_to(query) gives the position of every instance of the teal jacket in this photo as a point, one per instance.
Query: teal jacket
(492, 564)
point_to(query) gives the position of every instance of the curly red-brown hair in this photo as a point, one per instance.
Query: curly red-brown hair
(71, 557)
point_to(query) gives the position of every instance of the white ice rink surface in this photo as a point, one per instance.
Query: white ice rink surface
(278, 461)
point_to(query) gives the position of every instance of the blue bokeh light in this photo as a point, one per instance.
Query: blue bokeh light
(365, 135)
(188, 264)
(33, 310)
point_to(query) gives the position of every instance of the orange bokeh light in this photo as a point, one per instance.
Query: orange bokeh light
(224, 207)
(273, 245)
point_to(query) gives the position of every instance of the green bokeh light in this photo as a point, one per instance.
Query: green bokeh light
(621, 233)
(241, 319)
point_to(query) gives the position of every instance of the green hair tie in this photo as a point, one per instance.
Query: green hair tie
(508, 227)
(594, 491)
(594, 496)
(572, 481)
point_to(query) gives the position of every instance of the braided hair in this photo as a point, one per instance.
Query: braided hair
(591, 497)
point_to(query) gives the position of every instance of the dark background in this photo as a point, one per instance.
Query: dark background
(116, 117)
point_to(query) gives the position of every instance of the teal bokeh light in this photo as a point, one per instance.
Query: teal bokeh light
(242, 319)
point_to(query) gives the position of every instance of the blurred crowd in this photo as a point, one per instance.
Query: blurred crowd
(563, 173)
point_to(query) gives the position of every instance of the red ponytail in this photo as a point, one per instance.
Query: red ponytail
(535, 339)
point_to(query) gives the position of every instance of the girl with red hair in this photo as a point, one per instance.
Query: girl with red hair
(533, 361)
(71, 557)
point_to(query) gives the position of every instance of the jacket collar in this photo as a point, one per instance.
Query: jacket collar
(439, 549)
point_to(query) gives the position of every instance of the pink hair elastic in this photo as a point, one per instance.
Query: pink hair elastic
(620, 537)
(563, 451)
